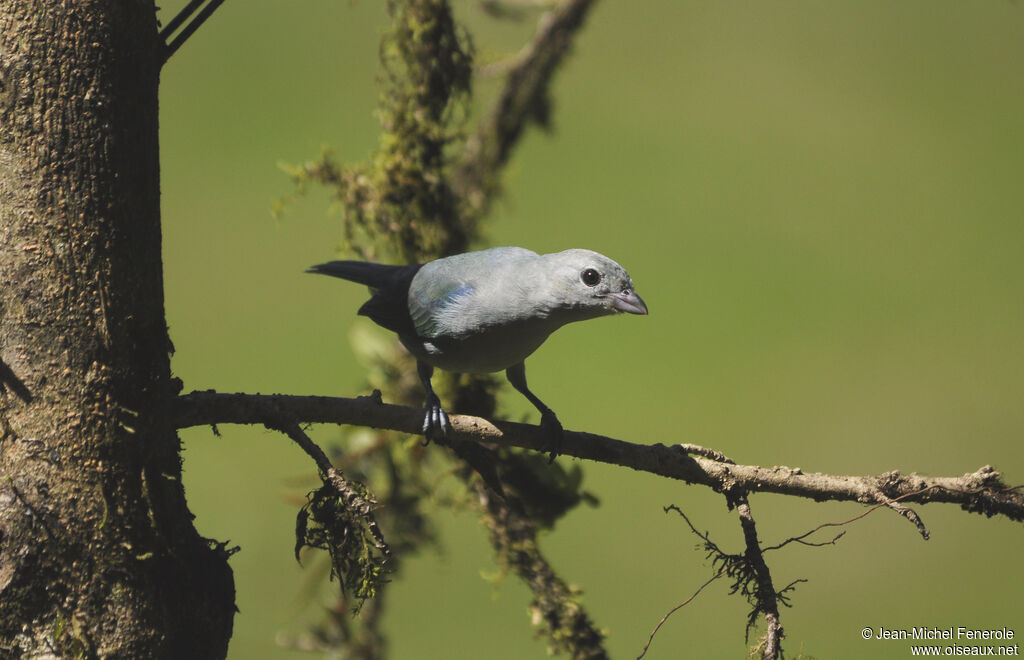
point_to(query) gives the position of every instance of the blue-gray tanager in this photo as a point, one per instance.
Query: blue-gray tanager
(485, 311)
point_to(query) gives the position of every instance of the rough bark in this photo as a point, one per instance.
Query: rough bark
(98, 556)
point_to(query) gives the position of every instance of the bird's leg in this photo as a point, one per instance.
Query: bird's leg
(516, 375)
(435, 421)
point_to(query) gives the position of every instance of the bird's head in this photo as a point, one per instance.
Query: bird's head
(590, 283)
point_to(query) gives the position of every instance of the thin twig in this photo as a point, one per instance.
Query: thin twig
(681, 605)
(800, 539)
(906, 512)
(709, 544)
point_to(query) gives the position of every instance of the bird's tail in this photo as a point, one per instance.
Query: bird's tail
(372, 275)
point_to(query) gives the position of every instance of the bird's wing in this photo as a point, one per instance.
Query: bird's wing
(429, 303)
(468, 293)
(388, 307)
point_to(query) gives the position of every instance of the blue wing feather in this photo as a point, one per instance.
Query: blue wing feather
(428, 305)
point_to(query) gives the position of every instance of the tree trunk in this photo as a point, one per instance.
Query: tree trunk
(98, 556)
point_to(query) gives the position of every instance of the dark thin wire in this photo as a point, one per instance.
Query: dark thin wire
(191, 27)
(180, 18)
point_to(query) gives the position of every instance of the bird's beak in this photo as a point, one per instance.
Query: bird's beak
(627, 301)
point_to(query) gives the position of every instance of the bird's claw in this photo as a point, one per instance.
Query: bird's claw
(435, 423)
(553, 429)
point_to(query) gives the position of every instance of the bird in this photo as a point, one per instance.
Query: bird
(486, 311)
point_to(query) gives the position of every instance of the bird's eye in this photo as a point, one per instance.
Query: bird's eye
(590, 277)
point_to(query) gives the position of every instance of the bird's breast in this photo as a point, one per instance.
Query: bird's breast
(495, 349)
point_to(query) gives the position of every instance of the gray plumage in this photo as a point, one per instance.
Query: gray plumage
(487, 311)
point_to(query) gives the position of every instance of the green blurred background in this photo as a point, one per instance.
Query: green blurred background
(822, 204)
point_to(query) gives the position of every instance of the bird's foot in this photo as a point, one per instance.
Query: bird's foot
(553, 430)
(435, 423)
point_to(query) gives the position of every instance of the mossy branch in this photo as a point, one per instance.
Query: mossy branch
(555, 607)
(338, 518)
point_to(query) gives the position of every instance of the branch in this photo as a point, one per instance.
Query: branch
(555, 608)
(750, 575)
(981, 491)
(347, 530)
(333, 476)
(765, 596)
(749, 570)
